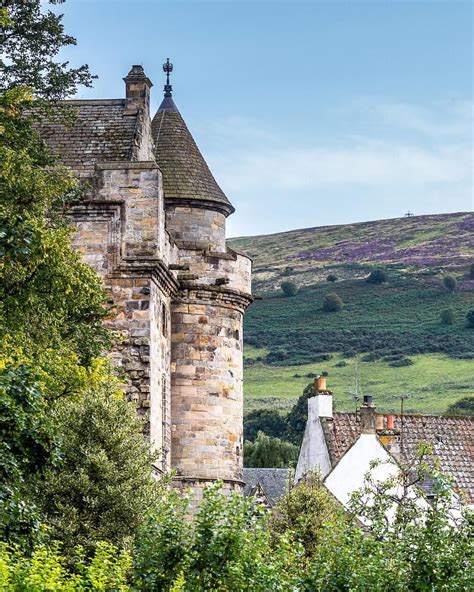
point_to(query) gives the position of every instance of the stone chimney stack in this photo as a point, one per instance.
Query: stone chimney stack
(368, 417)
(137, 91)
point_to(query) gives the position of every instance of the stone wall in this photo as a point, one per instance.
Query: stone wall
(206, 375)
(120, 230)
(196, 227)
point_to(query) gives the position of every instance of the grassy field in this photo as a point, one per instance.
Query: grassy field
(383, 325)
(433, 382)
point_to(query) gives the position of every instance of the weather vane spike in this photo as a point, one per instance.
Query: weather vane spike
(168, 68)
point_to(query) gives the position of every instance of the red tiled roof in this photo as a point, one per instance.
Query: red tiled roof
(452, 439)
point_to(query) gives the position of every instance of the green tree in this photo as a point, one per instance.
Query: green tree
(450, 283)
(331, 278)
(377, 276)
(27, 446)
(289, 288)
(464, 406)
(103, 485)
(31, 39)
(303, 512)
(268, 452)
(470, 318)
(447, 316)
(298, 416)
(226, 546)
(268, 421)
(332, 303)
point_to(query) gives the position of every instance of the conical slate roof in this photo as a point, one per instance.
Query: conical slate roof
(186, 176)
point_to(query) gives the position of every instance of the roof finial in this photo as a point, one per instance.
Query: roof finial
(168, 68)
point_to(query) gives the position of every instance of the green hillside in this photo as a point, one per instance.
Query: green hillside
(391, 333)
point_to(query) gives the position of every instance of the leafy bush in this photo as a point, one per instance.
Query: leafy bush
(331, 278)
(332, 303)
(45, 568)
(268, 452)
(400, 363)
(450, 283)
(447, 316)
(268, 421)
(341, 364)
(464, 406)
(298, 415)
(289, 288)
(103, 485)
(226, 546)
(377, 276)
(304, 511)
(470, 318)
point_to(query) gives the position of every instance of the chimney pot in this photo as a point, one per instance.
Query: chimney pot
(368, 417)
(320, 384)
(379, 422)
(390, 422)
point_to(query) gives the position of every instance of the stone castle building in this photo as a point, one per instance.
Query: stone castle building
(152, 223)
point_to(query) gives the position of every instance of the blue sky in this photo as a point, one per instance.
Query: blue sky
(308, 112)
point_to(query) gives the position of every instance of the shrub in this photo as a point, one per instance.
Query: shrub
(225, 546)
(377, 276)
(470, 318)
(447, 316)
(332, 303)
(103, 484)
(289, 288)
(303, 512)
(287, 271)
(471, 271)
(450, 283)
(464, 406)
(268, 452)
(331, 278)
(268, 421)
(45, 568)
(401, 363)
(341, 364)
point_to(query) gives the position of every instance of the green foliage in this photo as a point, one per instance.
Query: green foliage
(31, 40)
(377, 276)
(268, 452)
(268, 421)
(103, 485)
(224, 547)
(471, 271)
(447, 316)
(303, 512)
(421, 547)
(289, 288)
(297, 417)
(450, 283)
(331, 278)
(470, 318)
(332, 303)
(27, 446)
(46, 569)
(464, 406)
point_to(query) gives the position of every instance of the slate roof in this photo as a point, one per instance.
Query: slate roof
(274, 482)
(452, 439)
(99, 132)
(186, 175)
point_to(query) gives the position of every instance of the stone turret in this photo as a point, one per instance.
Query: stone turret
(207, 312)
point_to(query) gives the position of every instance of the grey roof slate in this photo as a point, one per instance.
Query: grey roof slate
(99, 132)
(274, 482)
(186, 175)
(452, 439)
